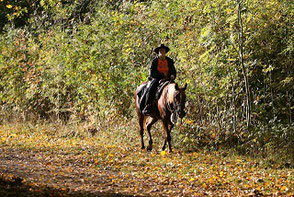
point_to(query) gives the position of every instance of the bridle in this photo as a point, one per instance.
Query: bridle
(174, 109)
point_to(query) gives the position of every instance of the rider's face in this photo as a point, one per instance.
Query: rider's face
(162, 52)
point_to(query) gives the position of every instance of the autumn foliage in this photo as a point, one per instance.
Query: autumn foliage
(80, 62)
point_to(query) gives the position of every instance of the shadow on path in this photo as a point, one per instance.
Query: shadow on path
(15, 188)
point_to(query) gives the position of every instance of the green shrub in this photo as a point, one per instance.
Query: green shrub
(77, 62)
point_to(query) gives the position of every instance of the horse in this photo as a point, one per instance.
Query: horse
(170, 106)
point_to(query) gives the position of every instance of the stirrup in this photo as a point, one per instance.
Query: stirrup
(174, 118)
(147, 110)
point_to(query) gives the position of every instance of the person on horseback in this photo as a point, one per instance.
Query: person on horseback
(162, 68)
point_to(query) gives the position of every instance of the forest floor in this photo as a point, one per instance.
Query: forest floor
(40, 161)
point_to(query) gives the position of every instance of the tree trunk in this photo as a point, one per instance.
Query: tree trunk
(241, 61)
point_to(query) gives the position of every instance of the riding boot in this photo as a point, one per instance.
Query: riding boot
(149, 97)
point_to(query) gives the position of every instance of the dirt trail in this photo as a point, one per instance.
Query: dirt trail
(29, 173)
(96, 170)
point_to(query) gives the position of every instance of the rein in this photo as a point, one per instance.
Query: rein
(174, 109)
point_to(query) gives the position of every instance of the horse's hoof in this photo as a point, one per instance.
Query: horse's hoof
(149, 148)
(143, 147)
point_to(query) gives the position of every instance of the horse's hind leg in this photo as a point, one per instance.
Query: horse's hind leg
(141, 129)
(149, 124)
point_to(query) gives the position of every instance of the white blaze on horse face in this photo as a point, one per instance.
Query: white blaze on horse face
(171, 93)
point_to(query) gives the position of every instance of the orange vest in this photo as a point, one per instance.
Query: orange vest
(162, 66)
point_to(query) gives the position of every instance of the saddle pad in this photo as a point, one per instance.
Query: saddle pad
(141, 89)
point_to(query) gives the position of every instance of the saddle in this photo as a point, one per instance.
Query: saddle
(160, 87)
(141, 91)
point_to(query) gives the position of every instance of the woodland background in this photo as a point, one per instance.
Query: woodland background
(81, 61)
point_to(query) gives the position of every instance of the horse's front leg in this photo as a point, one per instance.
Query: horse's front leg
(167, 137)
(164, 143)
(149, 125)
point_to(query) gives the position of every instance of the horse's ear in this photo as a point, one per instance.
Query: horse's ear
(185, 87)
(177, 87)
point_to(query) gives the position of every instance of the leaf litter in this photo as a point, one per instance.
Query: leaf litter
(47, 164)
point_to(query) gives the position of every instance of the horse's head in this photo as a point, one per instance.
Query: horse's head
(176, 102)
(179, 100)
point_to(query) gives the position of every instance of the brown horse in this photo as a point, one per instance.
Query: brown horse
(170, 106)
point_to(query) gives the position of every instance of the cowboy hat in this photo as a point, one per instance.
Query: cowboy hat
(161, 46)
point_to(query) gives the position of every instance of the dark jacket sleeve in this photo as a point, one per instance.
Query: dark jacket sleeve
(172, 69)
(153, 70)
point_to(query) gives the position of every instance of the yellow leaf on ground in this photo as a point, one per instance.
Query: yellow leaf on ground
(221, 174)
(284, 188)
(204, 185)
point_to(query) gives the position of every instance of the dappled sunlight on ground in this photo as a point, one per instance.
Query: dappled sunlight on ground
(42, 161)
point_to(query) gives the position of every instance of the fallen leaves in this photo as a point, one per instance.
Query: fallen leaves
(81, 163)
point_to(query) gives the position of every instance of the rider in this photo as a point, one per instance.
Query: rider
(162, 67)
